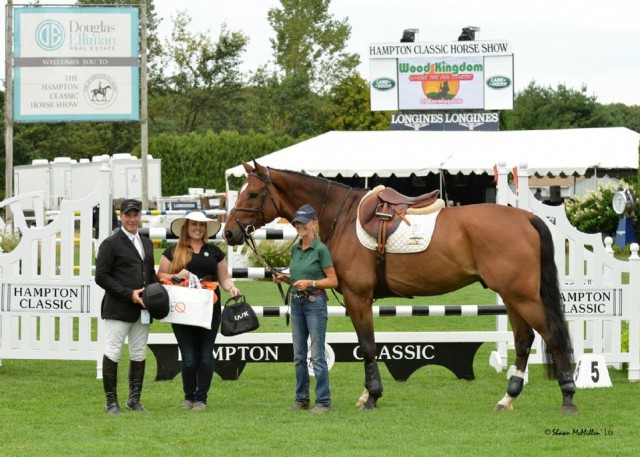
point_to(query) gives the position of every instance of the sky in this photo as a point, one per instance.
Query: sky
(570, 42)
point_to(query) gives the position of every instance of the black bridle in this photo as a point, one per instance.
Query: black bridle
(248, 229)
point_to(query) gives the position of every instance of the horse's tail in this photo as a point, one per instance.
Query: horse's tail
(552, 300)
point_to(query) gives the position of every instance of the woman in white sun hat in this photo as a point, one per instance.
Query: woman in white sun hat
(193, 255)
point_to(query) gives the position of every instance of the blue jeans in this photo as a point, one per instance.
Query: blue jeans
(309, 319)
(196, 348)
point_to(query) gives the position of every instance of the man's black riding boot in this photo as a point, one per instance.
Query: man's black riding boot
(136, 377)
(110, 383)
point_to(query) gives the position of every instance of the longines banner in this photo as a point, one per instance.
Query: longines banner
(76, 64)
(441, 76)
(486, 121)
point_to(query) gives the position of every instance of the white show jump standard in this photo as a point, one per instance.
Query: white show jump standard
(50, 304)
(589, 270)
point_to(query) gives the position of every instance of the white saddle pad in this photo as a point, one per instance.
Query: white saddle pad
(406, 239)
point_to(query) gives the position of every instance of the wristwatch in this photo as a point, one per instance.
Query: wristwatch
(313, 284)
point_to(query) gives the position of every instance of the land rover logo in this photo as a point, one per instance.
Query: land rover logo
(383, 84)
(498, 82)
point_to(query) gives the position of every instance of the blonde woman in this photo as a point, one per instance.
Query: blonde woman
(311, 271)
(193, 255)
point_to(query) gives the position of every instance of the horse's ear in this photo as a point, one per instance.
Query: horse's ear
(248, 168)
(260, 169)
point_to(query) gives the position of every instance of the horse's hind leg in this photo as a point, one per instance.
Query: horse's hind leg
(558, 355)
(523, 338)
(559, 363)
(553, 327)
(557, 349)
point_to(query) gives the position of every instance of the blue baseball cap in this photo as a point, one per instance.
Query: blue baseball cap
(305, 214)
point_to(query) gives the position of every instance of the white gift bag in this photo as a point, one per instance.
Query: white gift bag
(189, 306)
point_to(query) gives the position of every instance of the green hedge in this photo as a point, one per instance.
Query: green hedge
(200, 160)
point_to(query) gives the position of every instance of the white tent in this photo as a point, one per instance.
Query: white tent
(405, 153)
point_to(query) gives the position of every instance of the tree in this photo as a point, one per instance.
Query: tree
(199, 93)
(154, 47)
(624, 116)
(538, 107)
(310, 59)
(288, 107)
(310, 44)
(352, 102)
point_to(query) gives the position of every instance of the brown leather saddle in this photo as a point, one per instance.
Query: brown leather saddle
(380, 213)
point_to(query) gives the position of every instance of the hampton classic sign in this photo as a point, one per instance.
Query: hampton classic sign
(76, 64)
(474, 75)
(592, 302)
(45, 298)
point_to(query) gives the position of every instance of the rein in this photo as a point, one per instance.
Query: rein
(335, 219)
(248, 229)
(285, 297)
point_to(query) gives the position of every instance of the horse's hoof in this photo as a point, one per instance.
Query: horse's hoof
(570, 409)
(500, 407)
(363, 399)
(368, 407)
(370, 404)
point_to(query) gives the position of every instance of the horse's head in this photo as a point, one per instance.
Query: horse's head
(255, 206)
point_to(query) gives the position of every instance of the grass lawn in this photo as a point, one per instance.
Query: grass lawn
(54, 408)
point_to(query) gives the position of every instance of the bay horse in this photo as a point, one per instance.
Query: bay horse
(507, 249)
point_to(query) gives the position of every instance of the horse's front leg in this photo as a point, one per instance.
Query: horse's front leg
(362, 318)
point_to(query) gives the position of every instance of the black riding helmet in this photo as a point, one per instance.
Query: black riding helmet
(156, 300)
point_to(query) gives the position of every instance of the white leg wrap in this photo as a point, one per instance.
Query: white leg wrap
(506, 402)
(363, 398)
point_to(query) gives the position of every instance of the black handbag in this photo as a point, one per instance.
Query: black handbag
(238, 318)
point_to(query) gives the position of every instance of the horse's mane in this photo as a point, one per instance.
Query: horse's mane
(320, 178)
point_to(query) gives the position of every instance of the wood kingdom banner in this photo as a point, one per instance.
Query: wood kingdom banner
(76, 64)
(437, 76)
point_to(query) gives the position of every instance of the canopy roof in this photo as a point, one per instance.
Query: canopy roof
(406, 153)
